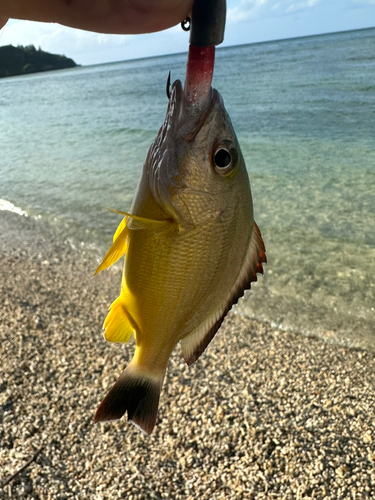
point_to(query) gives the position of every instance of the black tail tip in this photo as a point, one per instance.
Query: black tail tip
(139, 396)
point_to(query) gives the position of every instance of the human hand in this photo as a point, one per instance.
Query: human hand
(103, 16)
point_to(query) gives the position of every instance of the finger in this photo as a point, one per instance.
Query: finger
(104, 16)
(3, 22)
(132, 16)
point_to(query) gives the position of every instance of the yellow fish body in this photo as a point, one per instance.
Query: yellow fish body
(191, 249)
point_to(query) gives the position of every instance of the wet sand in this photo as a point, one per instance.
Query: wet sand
(262, 414)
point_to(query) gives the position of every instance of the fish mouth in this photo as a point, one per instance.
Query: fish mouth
(170, 152)
(187, 112)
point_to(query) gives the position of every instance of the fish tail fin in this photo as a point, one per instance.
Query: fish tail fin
(136, 393)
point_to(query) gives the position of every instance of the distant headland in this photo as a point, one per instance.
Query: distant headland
(24, 60)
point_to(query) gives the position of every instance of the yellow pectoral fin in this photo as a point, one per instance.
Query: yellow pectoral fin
(117, 325)
(117, 250)
(137, 222)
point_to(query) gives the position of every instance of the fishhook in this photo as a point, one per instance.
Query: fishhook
(185, 24)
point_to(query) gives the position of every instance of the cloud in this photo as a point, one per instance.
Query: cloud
(59, 39)
(297, 6)
(247, 9)
(92, 48)
(362, 3)
(248, 21)
(255, 9)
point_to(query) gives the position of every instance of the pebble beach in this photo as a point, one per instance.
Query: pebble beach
(263, 414)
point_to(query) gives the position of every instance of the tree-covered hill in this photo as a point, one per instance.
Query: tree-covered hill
(23, 60)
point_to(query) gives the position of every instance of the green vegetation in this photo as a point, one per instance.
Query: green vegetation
(23, 60)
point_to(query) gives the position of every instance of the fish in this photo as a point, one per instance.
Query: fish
(191, 249)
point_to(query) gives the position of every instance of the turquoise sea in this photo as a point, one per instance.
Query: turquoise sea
(72, 144)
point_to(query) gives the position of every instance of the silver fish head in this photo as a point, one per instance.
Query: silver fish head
(196, 170)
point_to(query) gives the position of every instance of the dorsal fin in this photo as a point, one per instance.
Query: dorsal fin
(196, 342)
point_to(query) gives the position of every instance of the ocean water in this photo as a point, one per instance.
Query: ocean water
(72, 144)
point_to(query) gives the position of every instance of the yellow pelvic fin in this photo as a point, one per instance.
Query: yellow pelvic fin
(120, 238)
(137, 222)
(117, 250)
(121, 226)
(117, 325)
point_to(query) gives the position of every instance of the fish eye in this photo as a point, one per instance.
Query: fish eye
(222, 158)
(225, 157)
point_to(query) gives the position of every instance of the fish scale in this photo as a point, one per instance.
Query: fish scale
(191, 249)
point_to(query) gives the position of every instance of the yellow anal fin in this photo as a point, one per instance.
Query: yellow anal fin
(117, 250)
(117, 325)
(137, 222)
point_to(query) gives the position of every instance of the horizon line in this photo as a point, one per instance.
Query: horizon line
(230, 46)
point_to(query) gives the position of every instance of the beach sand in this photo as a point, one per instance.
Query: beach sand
(262, 414)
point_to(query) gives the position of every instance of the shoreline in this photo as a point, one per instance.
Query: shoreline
(263, 413)
(44, 233)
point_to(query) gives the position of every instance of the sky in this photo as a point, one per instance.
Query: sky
(248, 21)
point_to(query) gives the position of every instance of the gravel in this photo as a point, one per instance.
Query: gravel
(263, 413)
